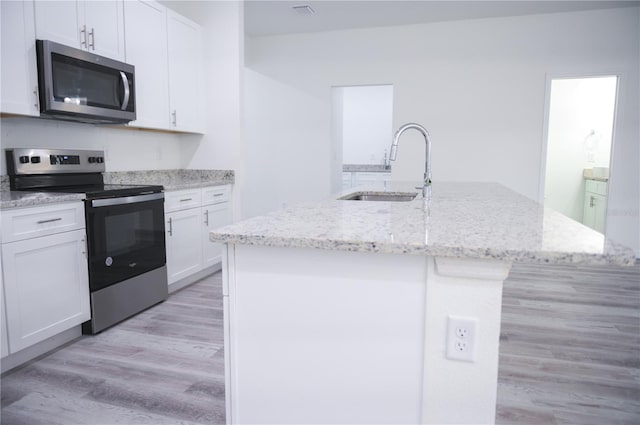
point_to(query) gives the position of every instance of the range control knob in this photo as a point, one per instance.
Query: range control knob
(99, 160)
(24, 159)
(92, 159)
(35, 159)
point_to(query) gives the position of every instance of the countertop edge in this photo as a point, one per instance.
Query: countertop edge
(626, 259)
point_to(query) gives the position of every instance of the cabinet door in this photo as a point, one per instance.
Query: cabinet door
(595, 210)
(18, 59)
(46, 287)
(185, 88)
(105, 27)
(184, 246)
(214, 216)
(59, 21)
(146, 48)
(4, 342)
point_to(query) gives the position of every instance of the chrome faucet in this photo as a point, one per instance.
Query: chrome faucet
(426, 187)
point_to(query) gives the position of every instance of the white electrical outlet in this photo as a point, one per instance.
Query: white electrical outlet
(461, 338)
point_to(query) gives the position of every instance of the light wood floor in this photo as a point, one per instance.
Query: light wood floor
(569, 354)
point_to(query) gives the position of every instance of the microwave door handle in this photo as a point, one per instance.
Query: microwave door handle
(125, 83)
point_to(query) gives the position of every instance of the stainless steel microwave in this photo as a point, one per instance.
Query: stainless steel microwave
(80, 86)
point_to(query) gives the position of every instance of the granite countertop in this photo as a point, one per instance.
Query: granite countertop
(368, 168)
(172, 179)
(17, 199)
(463, 220)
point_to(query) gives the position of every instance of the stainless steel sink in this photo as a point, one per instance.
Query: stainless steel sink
(367, 196)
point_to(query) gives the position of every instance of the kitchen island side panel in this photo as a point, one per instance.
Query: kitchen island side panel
(320, 336)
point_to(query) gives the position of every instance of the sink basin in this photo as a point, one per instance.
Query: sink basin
(365, 196)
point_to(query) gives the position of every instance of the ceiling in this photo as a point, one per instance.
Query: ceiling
(268, 17)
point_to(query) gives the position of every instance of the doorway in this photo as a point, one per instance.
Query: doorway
(362, 131)
(580, 129)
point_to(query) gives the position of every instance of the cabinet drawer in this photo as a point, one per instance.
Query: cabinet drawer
(597, 187)
(182, 199)
(31, 222)
(216, 194)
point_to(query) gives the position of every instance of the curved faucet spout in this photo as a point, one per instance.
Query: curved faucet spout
(426, 188)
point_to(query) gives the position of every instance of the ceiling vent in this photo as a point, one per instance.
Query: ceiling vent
(303, 9)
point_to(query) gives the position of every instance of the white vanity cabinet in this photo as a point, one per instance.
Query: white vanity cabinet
(184, 43)
(595, 204)
(145, 24)
(18, 73)
(189, 216)
(94, 26)
(45, 274)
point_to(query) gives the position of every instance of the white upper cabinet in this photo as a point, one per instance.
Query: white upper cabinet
(95, 26)
(145, 25)
(19, 85)
(185, 73)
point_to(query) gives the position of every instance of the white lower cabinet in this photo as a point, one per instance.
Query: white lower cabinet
(184, 254)
(46, 287)
(215, 216)
(189, 216)
(4, 343)
(44, 273)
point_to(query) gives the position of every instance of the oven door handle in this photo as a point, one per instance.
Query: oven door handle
(96, 203)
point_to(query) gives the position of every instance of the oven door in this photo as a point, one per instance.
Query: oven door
(125, 237)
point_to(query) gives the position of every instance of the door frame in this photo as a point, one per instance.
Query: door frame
(549, 77)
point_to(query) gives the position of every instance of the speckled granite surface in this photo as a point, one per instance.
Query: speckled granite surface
(464, 220)
(369, 168)
(172, 179)
(18, 199)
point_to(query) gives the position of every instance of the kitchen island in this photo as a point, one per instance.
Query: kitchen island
(342, 311)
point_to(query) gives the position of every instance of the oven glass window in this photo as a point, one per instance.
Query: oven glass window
(129, 231)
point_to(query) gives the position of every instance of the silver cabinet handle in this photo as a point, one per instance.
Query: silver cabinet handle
(174, 118)
(83, 32)
(37, 102)
(170, 227)
(186, 199)
(51, 220)
(93, 40)
(125, 83)
(592, 201)
(206, 217)
(218, 194)
(84, 251)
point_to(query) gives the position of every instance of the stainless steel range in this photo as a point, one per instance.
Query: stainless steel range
(125, 229)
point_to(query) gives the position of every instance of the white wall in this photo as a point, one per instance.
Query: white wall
(126, 149)
(478, 86)
(366, 124)
(580, 129)
(286, 160)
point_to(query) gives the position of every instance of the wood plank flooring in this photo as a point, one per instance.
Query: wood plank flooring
(163, 366)
(569, 354)
(570, 346)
